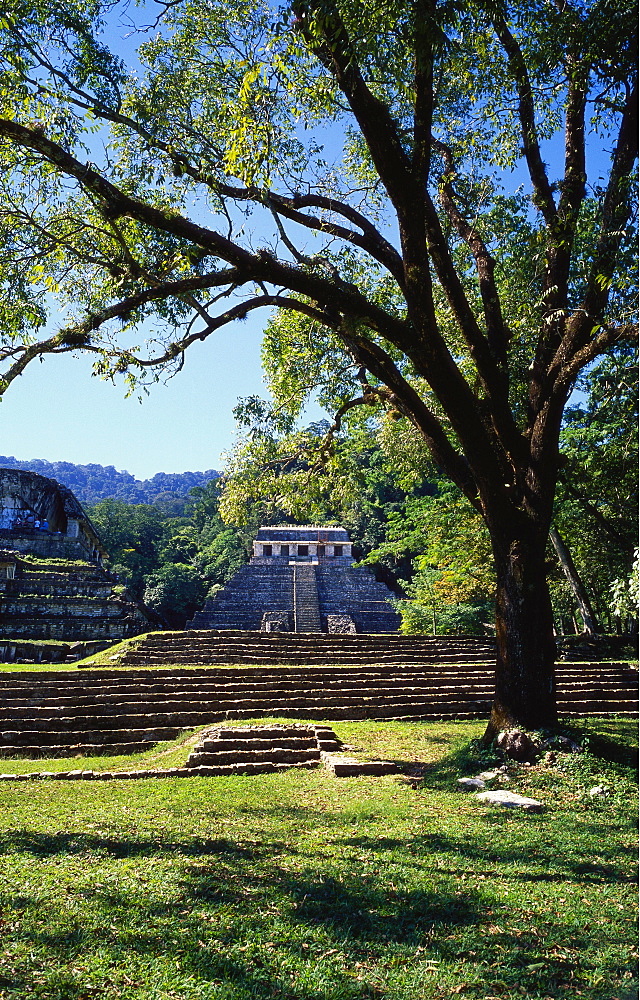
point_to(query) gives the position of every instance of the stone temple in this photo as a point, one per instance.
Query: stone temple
(52, 582)
(301, 578)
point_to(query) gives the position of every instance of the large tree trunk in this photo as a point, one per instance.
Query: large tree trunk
(525, 695)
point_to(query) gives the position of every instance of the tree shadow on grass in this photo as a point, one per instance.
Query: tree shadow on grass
(490, 859)
(472, 757)
(43, 845)
(605, 746)
(233, 915)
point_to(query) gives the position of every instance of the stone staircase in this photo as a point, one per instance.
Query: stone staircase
(255, 749)
(257, 590)
(90, 712)
(354, 589)
(306, 607)
(242, 603)
(212, 647)
(242, 750)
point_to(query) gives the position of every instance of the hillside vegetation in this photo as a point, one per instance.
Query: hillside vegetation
(93, 482)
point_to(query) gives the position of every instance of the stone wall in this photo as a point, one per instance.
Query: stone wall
(40, 543)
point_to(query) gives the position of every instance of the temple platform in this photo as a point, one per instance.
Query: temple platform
(301, 578)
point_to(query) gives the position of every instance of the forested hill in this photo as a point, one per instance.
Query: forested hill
(92, 483)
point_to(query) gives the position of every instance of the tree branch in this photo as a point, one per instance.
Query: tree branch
(424, 19)
(261, 266)
(371, 239)
(497, 334)
(585, 336)
(404, 397)
(543, 195)
(327, 38)
(78, 336)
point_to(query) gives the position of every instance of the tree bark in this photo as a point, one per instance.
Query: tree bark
(576, 584)
(525, 694)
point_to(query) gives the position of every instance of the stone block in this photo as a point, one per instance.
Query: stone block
(343, 766)
(511, 800)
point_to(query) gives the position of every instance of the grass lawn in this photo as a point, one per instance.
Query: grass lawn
(304, 886)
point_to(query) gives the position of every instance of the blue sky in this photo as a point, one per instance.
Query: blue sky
(57, 411)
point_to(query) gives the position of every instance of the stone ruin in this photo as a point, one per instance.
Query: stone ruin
(41, 517)
(52, 581)
(301, 578)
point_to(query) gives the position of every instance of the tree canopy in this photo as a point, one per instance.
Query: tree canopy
(344, 162)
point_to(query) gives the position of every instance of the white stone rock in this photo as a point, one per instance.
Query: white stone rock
(511, 800)
(470, 784)
(598, 791)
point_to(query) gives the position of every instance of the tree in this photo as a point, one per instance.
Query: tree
(403, 273)
(130, 534)
(596, 507)
(175, 591)
(143, 543)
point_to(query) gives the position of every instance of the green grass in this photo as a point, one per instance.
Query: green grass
(303, 886)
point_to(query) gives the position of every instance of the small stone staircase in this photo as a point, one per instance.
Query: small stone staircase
(306, 607)
(242, 750)
(255, 749)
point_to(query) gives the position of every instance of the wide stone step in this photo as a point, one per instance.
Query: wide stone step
(237, 649)
(78, 736)
(291, 640)
(80, 748)
(278, 731)
(199, 688)
(289, 660)
(150, 727)
(221, 709)
(47, 715)
(247, 767)
(109, 703)
(202, 684)
(199, 697)
(300, 640)
(257, 744)
(55, 716)
(607, 690)
(192, 675)
(280, 657)
(435, 655)
(274, 753)
(70, 686)
(166, 725)
(297, 640)
(227, 635)
(211, 679)
(198, 716)
(586, 705)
